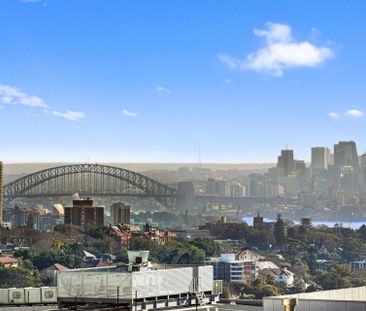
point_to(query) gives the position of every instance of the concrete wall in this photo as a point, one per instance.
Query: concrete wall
(347, 299)
(154, 283)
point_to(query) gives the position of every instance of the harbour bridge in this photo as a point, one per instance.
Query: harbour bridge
(105, 180)
(89, 179)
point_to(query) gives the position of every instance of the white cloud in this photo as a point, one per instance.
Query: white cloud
(333, 115)
(280, 52)
(13, 95)
(354, 113)
(162, 89)
(228, 81)
(229, 61)
(70, 115)
(127, 113)
(10, 95)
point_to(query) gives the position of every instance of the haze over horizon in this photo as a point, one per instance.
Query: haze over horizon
(84, 81)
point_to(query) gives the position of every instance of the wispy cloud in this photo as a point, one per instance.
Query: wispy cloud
(13, 95)
(127, 113)
(70, 115)
(333, 115)
(10, 95)
(354, 113)
(230, 61)
(280, 52)
(162, 89)
(351, 113)
(228, 81)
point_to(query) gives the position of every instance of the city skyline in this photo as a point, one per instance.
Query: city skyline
(117, 83)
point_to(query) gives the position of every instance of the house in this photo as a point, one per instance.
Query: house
(166, 236)
(261, 265)
(8, 262)
(88, 256)
(358, 264)
(51, 272)
(154, 234)
(121, 235)
(247, 255)
(281, 275)
(322, 250)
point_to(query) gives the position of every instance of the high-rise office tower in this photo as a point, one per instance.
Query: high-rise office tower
(1, 192)
(286, 163)
(320, 158)
(120, 213)
(345, 154)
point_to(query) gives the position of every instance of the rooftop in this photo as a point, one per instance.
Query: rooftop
(6, 260)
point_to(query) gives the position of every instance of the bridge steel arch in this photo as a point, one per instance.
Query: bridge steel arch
(162, 193)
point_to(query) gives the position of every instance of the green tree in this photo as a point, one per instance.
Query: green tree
(47, 258)
(23, 253)
(339, 276)
(226, 291)
(279, 230)
(305, 225)
(210, 247)
(123, 256)
(17, 277)
(261, 289)
(97, 232)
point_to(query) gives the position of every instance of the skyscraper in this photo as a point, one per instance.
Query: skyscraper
(320, 158)
(363, 171)
(120, 213)
(363, 160)
(345, 154)
(286, 163)
(1, 192)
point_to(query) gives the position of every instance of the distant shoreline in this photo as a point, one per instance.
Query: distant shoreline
(26, 168)
(354, 224)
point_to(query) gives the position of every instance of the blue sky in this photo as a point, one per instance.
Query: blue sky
(150, 81)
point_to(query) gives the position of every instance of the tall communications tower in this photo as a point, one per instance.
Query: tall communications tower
(1, 192)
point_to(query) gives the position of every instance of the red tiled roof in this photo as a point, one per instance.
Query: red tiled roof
(102, 264)
(55, 267)
(60, 267)
(5, 260)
